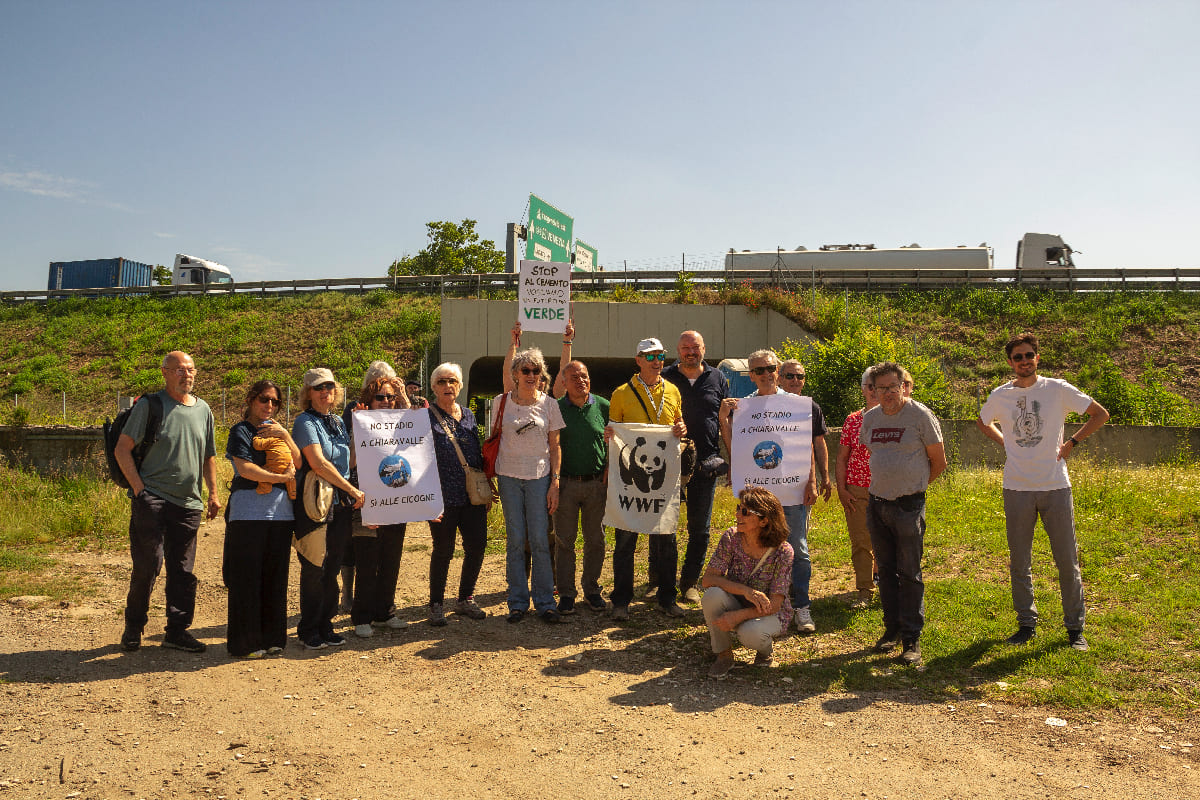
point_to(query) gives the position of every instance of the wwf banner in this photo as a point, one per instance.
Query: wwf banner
(643, 478)
(397, 468)
(771, 446)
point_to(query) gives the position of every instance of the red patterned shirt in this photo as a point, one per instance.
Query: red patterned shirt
(858, 466)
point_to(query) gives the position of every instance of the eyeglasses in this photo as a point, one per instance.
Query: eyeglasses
(895, 387)
(793, 376)
(325, 387)
(1019, 357)
(385, 397)
(447, 382)
(184, 370)
(769, 368)
(531, 370)
(745, 511)
(652, 357)
(271, 400)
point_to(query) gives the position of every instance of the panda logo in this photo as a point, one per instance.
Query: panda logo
(644, 466)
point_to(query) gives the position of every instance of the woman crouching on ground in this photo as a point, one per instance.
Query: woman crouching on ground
(258, 535)
(449, 419)
(746, 583)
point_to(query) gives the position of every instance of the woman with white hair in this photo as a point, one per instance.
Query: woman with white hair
(527, 474)
(325, 444)
(455, 431)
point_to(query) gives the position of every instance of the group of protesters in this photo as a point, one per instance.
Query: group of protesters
(551, 479)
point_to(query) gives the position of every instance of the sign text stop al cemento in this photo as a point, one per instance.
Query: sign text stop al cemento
(397, 466)
(544, 297)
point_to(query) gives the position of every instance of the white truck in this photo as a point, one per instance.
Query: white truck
(1034, 250)
(192, 271)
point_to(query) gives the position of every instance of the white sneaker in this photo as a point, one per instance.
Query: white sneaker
(364, 631)
(803, 620)
(395, 623)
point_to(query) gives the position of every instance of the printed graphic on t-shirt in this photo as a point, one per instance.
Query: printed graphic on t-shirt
(1027, 422)
(886, 435)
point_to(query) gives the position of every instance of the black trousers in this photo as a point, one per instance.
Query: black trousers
(471, 520)
(376, 570)
(255, 569)
(161, 532)
(319, 585)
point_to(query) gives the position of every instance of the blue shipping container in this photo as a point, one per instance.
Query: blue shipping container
(99, 273)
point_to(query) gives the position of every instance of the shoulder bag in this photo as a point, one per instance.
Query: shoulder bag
(479, 486)
(491, 447)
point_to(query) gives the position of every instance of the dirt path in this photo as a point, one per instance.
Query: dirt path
(488, 709)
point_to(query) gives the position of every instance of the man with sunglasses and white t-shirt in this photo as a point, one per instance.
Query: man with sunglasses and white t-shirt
(764, 371)
(1032, 410)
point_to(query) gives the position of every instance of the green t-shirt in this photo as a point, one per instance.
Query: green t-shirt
(582, 440)
(174, 466)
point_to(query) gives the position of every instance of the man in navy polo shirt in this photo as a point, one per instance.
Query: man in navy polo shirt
(702, 389)
(582, 490)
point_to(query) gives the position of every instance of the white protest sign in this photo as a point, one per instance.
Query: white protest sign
(643, 478)
(772, 445)
(397, 467)
(544, 296)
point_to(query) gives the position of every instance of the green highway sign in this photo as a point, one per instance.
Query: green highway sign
(549, 233)
(587, 258)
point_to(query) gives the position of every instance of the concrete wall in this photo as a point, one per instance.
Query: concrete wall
(475, 334)
(54, 450)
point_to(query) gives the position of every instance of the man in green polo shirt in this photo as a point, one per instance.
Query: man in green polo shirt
(582, 491)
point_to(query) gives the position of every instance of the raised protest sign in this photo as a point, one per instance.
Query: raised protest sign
(771, 445)
(397, 468)
(544, 296)
(643, 478)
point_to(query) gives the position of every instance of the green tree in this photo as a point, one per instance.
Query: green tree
(162, 275)
(453, 249)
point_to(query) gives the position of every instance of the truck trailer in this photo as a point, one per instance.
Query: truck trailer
(99, 273)
(1034, 250)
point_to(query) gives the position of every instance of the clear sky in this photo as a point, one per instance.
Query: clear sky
(304, 140)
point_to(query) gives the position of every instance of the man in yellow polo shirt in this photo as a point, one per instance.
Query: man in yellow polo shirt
(646, 398)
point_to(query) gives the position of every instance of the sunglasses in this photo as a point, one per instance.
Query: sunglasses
(325, 387)
(447, 382)
(769, 368)
(385, 397)
(794, 376)
(272, 400)
(1019, 357)
(745, 511)
(531, 370)
(652, 357)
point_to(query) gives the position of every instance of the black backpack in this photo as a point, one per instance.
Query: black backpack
(112, 434)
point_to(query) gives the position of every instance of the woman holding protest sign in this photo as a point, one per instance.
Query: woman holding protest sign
(527, 473)
(325, 443)
(456, 444)
(258, 533)
(746, 583)
(377, 549)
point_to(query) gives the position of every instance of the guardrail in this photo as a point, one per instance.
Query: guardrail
(1128, 279)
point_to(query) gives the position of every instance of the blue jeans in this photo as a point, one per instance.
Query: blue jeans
(797, 522)
(699, 492)
(526, 519)
(898, 536)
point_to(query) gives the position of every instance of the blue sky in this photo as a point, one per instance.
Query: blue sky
(316, 139)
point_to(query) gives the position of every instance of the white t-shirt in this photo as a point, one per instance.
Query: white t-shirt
(524, 442)
(1032, 421)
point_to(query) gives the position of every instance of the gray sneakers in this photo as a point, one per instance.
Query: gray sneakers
(803, 620)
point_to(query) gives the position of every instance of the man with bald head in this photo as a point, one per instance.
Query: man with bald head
(173, 432)
(702, 389)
